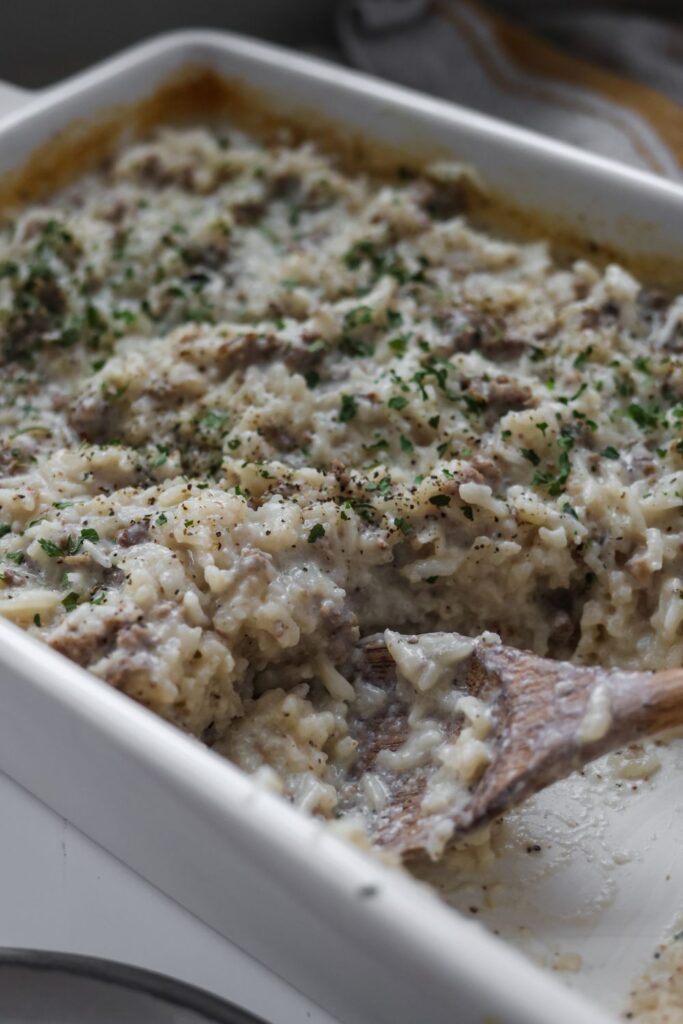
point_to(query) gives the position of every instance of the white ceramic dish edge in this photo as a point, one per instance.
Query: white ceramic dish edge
(282, 886)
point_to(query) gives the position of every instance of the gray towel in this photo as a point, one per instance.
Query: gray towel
(604, 79)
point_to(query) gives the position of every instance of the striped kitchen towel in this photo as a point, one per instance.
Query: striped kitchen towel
(607, 80)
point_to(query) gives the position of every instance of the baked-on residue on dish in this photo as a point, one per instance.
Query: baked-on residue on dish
(253, 407)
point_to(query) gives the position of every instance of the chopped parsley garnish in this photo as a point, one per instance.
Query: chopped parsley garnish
(161, 519)
(440, 500)
(161, 458)
(212, 420)
(356, 347)
(435, 369)
(399, 344)
(475, 405)
(394, 318)
(570, 510)
(397, 402)
(530, 455)
(565, 400)
(71, 600)
(406, 445)
(387, 262)
(376, 445)
(403, 525)
(609, 452)
(468, 512)
(71, 546)
(556, 484)
(349, 408)
(565, 441)
(624, 385)
(434, 422)
(312, 379)
(359, 252)
(36, 620)
(5, 529)
(50, 548)
(358, 316)
(583, 357)
(125, 315)
(382, 486)
(646, 416)
(361, 506)
(316, 533)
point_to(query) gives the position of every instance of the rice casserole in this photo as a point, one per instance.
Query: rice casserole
(255, 406)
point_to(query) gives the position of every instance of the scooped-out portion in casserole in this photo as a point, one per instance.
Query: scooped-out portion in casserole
(254, 407)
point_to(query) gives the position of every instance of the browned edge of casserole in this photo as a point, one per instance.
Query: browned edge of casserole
(199, 93)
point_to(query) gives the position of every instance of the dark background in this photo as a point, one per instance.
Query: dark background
(41, 41)
(44, 40)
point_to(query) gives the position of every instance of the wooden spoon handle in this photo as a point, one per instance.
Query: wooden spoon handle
(556, 717)
(642, 704)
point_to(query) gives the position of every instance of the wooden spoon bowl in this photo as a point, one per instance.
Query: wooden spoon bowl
(548, 719)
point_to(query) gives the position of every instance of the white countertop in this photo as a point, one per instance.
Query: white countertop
(59, 890)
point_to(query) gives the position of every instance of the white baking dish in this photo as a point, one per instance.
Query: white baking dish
(367, 943)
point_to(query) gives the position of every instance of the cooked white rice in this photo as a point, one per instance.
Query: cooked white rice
(253, 408)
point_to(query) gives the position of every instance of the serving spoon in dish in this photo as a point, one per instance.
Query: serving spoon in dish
(546, 719)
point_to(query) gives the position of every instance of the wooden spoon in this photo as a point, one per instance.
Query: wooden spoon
(548, 718)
